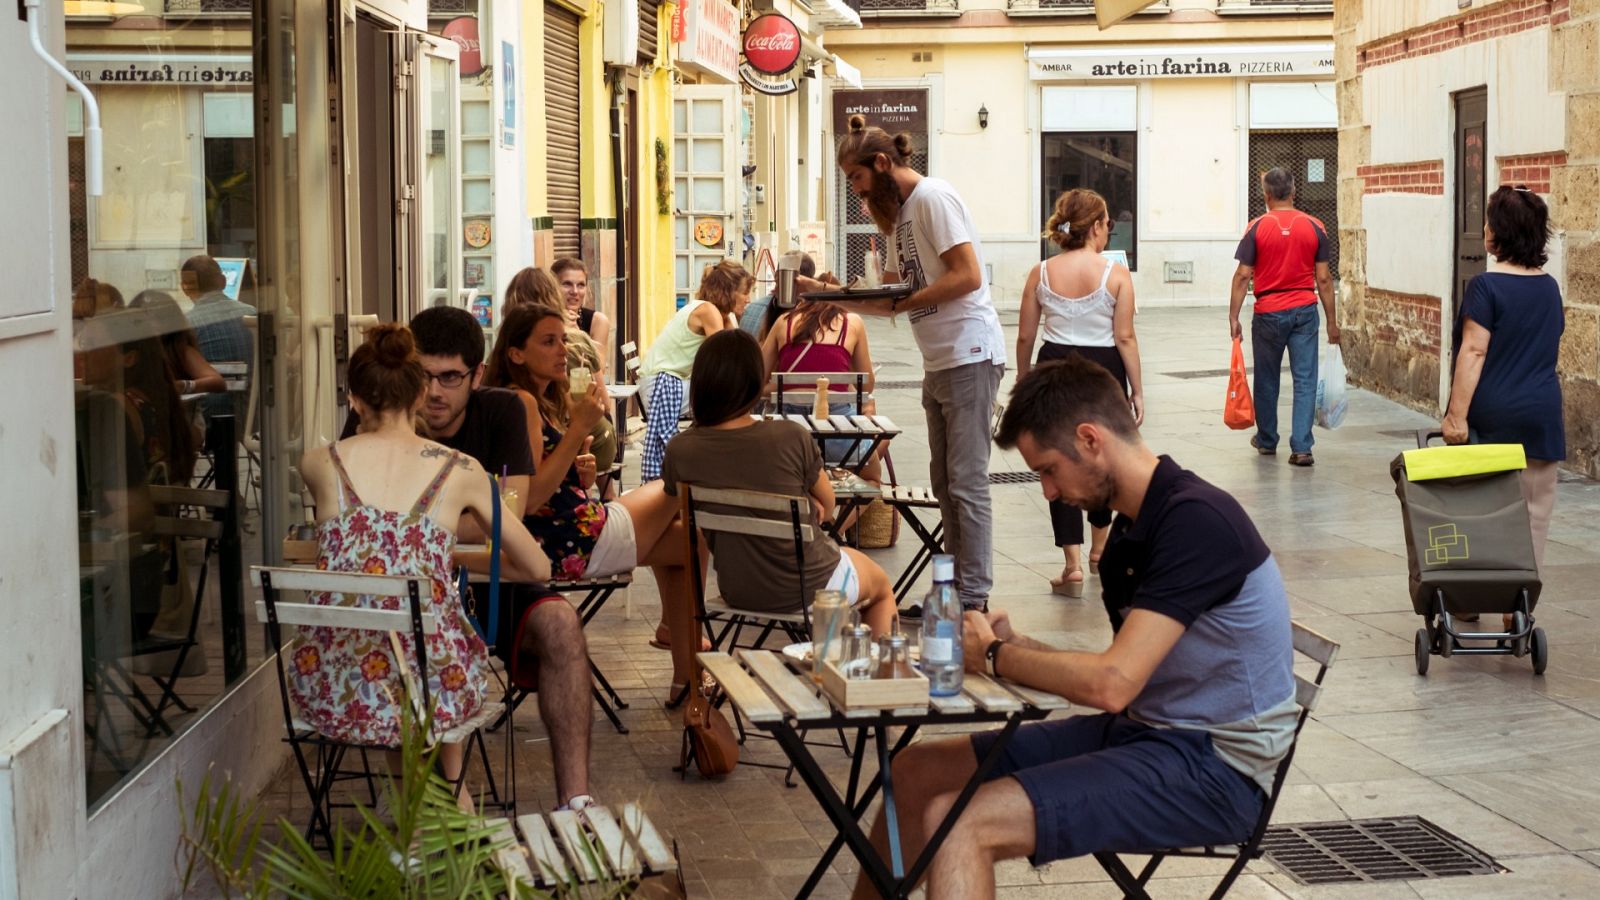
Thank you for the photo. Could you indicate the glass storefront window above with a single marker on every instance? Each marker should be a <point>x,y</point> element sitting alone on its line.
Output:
<point>1104,161</point>
<point>165,312</point>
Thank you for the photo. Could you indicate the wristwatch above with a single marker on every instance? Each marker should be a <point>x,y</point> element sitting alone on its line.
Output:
<point>992,655</point>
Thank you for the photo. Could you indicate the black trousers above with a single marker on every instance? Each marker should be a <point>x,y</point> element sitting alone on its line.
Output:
<point>1066,520</point>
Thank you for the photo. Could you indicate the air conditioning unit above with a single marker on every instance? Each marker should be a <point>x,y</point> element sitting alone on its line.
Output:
<point>622,33</point>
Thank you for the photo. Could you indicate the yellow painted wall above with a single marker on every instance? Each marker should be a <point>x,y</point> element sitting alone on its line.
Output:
<point>1189,158</point>
<point>656,298</point>
<point>533,142</point>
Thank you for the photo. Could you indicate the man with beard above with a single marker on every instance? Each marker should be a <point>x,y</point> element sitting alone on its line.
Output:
<point>1197,685</point>
<point>489,425</point>
<point>934,246</point>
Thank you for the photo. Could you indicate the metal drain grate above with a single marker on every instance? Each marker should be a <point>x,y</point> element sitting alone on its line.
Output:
<point>1013,477</point>
<point>1204,373</point>
<point>1403,848</point>
<point>896,385</point>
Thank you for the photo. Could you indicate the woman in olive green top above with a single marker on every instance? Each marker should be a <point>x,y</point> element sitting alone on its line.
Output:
<point>727,448</point>
<point>664,371</point>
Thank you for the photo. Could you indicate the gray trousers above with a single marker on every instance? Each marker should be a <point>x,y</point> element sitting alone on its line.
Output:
<point>959,404</point>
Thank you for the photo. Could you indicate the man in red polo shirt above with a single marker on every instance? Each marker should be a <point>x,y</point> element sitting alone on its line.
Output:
<point>1286,252</point>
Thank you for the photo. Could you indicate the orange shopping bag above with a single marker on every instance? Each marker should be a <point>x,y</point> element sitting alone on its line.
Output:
<point>1238,411</point>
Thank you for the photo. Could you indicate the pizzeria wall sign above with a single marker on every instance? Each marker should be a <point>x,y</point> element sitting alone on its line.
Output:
<point>771,50</point>
<point>708,231</point>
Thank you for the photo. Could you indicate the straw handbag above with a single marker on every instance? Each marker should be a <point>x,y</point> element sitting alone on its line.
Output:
<point>878,523</point>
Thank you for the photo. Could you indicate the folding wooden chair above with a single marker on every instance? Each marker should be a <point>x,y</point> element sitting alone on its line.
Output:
<point>189,513</point>
<point>737,512</point>
<point>318,756</point>
<point>1320,650</point>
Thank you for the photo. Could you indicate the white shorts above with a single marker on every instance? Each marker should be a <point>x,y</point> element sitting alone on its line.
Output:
<point>844,579</point>
<point>617,549</point>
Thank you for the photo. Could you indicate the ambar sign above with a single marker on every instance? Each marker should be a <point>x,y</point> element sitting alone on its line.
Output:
<point>772,44</point>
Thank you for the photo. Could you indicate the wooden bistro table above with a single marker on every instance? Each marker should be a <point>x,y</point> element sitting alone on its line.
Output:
<point>870,432</point>
<point>779,697</point>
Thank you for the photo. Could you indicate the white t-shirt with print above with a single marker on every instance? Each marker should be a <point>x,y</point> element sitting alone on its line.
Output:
<point>956,332</point>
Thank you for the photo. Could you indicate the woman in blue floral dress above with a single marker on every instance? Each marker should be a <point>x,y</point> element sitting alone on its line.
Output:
<point>583,537</point>
<point>388,502</point>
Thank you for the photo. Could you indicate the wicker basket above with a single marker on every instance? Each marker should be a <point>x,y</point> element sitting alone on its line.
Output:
<point>878,526</point>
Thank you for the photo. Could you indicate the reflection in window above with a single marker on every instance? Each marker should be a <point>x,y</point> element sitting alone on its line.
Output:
<point>163,359</point>
<point>1104,161</point>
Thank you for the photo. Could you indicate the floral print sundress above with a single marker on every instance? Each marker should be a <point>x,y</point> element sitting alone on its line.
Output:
<point>345,683</point>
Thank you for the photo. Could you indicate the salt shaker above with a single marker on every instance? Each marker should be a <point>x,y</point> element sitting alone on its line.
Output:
<point>894,657</point>
<point>857,659</point>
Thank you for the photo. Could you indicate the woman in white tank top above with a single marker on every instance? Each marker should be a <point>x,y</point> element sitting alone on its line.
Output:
<point>1085,304</point>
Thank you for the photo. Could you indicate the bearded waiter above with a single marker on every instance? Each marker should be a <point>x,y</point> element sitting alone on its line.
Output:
<point>935,248</point>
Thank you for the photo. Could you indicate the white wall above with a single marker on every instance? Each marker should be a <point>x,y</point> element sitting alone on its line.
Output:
<point>39,636</point>
<point>1410,237</point>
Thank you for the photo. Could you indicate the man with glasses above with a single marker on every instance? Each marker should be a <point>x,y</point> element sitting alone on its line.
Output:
<point>489,425</point>
<point>1286,252</point>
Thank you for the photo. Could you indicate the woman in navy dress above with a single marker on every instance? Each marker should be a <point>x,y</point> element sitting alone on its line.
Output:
<point>1507,338</point>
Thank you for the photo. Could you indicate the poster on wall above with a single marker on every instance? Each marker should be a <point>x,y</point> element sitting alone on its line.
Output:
<point>232,275</point>
<point>508,115</point>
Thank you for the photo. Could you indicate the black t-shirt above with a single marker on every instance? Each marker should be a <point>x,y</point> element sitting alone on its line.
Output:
<point>494,431</point>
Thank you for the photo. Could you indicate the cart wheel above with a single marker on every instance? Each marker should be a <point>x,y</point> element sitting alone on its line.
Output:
<point>1541,651</point>
<point>1519,623</point>
<point>1424,649</point>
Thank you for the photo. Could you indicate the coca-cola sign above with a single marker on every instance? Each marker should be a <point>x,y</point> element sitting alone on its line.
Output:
<point>772,44</point>
<point>464,31</point>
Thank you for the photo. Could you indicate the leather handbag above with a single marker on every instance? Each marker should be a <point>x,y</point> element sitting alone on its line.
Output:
<point>715,749</point>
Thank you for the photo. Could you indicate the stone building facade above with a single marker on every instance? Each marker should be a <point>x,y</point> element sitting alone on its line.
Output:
<point>1441,102</point>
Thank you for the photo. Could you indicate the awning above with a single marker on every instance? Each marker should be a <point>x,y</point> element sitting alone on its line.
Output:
<point>845,72</point>
<point>1110,12</point>
<point>836,14</point>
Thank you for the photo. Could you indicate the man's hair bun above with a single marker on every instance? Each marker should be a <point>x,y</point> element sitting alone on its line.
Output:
<point>858,123</point>
<point>393,344</point>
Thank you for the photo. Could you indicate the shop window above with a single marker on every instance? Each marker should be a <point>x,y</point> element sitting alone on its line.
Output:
<point>1102,161</point>
<point>169,495</point>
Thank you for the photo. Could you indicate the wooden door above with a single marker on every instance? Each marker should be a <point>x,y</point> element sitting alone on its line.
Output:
<point>1471,181</point>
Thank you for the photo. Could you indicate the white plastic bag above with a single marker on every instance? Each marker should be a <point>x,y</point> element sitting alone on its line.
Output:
<point>1332,400</point>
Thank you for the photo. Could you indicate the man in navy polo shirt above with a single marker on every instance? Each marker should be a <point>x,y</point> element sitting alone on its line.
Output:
<point>1197,685</point>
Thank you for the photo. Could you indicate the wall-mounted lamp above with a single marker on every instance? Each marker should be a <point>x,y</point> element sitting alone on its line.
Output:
<point>983,116</point>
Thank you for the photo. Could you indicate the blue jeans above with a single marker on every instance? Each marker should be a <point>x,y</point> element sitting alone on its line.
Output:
<point>1270,333</point>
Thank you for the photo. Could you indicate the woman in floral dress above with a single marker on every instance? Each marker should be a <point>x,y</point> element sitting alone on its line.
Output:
<point>388,502</point>
<point>583,537</point>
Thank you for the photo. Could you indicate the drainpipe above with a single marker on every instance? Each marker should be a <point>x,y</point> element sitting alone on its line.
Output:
<point>619,324</point>
<point>91,127</point>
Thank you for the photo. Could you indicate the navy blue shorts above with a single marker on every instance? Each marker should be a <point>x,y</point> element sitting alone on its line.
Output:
<point>1108,783</point>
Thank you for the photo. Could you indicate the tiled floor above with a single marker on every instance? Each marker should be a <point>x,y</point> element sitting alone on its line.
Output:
<point>1482,747</point>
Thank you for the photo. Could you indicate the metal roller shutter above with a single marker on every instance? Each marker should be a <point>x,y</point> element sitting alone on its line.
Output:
<point>561,124</point>
<point>648,18</point>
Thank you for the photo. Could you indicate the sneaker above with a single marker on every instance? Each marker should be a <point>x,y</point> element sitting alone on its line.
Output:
<point>1301,459</point>
<point>1264,451</point>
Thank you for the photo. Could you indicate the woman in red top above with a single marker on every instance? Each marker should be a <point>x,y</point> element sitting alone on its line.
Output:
<point>821,337</point>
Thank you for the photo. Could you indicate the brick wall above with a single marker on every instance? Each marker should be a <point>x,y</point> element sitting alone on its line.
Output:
<point>1499,19</point>
<point>1408,322</point>
<point>1425,177</point>
<point>1531,169</point>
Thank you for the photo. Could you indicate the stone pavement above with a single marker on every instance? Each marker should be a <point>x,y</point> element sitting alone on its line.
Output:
<point>1481,747</point>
